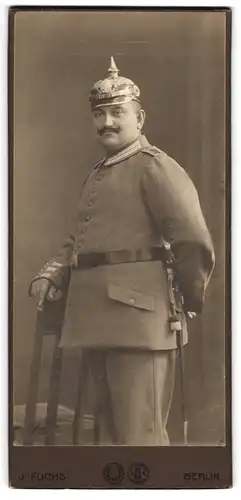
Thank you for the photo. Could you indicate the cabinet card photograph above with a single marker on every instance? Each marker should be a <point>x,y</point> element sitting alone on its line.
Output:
<point>119,162</point>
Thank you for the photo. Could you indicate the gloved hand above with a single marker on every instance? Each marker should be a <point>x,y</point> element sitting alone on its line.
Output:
<point>44,290</point>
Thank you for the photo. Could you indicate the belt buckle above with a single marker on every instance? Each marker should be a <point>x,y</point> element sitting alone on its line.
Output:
<point>120,256</point>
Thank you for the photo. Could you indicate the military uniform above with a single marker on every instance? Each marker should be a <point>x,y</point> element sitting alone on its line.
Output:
<point>131,202</point>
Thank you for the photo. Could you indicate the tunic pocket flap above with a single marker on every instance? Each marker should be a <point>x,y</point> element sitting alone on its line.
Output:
<point>131,297</point>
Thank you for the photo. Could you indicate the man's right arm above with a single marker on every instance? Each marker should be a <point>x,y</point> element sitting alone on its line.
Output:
<point>54,276</point>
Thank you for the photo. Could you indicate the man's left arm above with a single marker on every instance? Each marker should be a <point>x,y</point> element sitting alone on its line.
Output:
<point>173,202</point>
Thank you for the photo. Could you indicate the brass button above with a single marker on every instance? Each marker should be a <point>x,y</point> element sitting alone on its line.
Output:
<point>131,301</point>
<point>87,218</point>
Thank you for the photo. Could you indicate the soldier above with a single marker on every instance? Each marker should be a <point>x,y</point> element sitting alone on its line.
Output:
<point>133,201</point>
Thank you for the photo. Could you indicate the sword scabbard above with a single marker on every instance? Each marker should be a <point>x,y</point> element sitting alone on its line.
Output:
<point>175,325</point>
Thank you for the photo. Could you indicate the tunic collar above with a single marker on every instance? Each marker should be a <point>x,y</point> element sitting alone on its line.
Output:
<point>127,152</point>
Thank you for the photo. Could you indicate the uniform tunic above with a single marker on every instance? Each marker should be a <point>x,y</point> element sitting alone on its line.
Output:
<point>134,201</point>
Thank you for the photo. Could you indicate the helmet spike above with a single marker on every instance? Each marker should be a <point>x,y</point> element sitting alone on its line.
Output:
<point>113,70</point>
<point>115,87</point>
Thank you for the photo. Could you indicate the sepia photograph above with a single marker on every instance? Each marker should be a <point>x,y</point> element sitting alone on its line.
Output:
<point>119,175</point>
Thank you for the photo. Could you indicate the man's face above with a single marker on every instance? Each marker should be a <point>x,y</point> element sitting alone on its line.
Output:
<point>117,125</point>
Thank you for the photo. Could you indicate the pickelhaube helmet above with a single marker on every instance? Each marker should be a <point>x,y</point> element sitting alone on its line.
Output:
<point>114,89</point>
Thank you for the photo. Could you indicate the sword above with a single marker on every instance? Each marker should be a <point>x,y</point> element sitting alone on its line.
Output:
<point>176,327</point>
<point>179,337</point>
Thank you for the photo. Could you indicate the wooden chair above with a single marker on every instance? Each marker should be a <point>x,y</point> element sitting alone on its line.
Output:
<point>48,322</point>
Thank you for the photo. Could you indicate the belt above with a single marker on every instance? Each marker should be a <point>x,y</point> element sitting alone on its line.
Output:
<point>94,259</point>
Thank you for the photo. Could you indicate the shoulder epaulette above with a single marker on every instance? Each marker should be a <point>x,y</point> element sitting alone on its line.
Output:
<point>152,151</point>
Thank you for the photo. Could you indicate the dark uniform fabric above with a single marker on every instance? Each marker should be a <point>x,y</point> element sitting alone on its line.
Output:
<point>135,200</point>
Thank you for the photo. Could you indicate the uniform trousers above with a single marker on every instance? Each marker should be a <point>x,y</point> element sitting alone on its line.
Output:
<point>132,395</point>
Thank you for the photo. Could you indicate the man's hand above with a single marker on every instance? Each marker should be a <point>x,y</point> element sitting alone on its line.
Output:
<point>191,314</point>
<point>43,289</point>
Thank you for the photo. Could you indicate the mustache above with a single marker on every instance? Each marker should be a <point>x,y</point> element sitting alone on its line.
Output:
<point>108,129</point>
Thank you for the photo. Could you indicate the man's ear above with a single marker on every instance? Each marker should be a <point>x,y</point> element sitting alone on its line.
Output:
<point>141,118</point>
